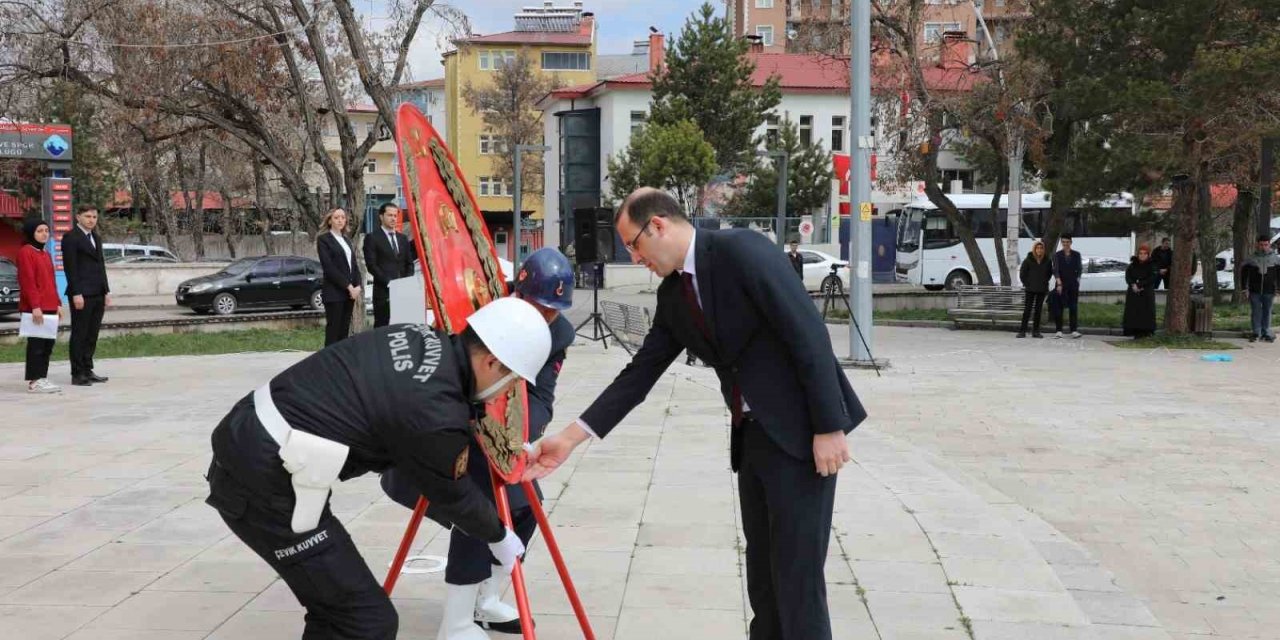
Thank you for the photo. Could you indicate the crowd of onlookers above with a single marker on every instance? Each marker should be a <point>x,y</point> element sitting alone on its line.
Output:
<point>1147,272</point>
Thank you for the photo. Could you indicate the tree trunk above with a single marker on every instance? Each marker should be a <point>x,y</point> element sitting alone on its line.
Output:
<point>1178,299</point>
<point>1208,251</point>
<point>997,239</point>
<point>963,229</point>
<point>197,226</point>
<point>230,226</point>
<point>264,215</point>
<point>1241,231</point>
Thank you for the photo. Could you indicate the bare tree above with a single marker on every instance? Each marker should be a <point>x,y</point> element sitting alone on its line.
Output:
<point>505,106</point>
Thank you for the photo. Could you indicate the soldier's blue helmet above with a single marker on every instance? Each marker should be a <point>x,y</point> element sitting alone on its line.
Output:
<point>547,279</point>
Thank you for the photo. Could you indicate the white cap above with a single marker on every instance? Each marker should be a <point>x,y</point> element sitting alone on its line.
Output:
<point>515,333</point>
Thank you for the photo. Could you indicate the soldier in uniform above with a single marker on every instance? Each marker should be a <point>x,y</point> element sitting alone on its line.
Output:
<point>402,395</point>
<point>474,600</point>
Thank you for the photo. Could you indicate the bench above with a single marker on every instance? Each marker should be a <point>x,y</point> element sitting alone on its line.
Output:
<point>985,305</point>
<point>628,322</point>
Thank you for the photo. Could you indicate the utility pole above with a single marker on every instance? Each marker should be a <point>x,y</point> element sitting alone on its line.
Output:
<point>860,301</point>
<point>1015,144</point>
<point>517,201</point>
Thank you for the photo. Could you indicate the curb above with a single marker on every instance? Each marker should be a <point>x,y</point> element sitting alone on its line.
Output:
<point>1088,331</point>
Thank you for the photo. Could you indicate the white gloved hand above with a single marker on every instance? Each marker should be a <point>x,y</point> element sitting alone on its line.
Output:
<point>507,551</point>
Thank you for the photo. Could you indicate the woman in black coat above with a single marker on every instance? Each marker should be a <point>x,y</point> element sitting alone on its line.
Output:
<point>1035,272</point>
<point>1140,298</point>
<point>342,277</point>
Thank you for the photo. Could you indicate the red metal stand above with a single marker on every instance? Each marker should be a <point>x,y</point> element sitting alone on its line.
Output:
<point>517,574</point>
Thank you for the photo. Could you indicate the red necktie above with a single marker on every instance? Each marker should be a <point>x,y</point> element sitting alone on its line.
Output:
<point>691,296</point>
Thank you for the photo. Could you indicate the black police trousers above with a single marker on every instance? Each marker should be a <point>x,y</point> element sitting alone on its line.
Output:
<point>321,566</point>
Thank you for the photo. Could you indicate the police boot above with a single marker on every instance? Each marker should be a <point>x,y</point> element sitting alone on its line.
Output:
<point>459,608</point>
<point>494,614</point>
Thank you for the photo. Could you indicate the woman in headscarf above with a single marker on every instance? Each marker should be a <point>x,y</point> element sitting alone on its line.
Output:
<point>1140,298</point>
<point>38,297</point>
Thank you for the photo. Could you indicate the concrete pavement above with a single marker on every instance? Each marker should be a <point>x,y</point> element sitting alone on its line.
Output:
<point>1002,489</point>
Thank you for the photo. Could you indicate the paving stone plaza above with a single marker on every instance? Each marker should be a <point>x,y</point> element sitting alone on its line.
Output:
<point>1001,489</point>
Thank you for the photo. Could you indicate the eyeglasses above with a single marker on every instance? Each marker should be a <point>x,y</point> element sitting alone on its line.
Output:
<point>631,246</point>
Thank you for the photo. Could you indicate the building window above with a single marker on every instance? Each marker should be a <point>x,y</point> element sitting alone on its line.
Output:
<point>766,35</point>
<point>566,61</point>
<point>933,30</point>
<point>965,176</point>
<point>371,166</point>
<point>771,130</point>
<point>490,186</point>
<point>490,144</point>
<point>764,4</point>
<point>492,59</point>
<point>837,133</point>
<point>638,119</point>
<point>806,130</point>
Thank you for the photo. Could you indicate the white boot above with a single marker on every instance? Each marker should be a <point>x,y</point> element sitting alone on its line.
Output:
<point>459,607</point>
<point>491,612</point>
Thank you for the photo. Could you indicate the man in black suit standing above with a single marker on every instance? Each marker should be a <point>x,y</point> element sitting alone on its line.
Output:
<point>88,291</point>
<point>388,256</point>
<point>797,260</point>
<point>730,298</point>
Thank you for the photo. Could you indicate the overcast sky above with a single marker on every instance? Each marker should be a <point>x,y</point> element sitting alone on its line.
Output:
<point>619,22</point>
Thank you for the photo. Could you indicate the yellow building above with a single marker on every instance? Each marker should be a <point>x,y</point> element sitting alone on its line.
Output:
<point>561,42</point>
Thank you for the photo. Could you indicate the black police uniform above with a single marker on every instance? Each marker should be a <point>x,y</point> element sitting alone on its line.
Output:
<point>398,395</point>
<point>470,561</point>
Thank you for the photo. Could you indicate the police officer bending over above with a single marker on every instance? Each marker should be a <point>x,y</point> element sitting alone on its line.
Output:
<point>401,395</point>
<point>474,596</point>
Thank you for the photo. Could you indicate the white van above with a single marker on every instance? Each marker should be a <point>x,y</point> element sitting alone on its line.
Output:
<point>116,252</point>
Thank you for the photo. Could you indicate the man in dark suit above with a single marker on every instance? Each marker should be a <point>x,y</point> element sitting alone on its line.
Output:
<point>797,260</point>
<point>88,291</point>
<point>388,256</point>
<point>730,298</point>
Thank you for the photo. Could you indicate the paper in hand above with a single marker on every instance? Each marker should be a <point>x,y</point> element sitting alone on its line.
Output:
<point>27,327</point>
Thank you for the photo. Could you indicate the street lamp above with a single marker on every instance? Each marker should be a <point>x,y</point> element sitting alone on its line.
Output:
<point>517,202</point>
<point>780,225</point>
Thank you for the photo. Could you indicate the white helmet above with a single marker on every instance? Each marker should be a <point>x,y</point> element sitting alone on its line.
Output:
<point>515,333</point>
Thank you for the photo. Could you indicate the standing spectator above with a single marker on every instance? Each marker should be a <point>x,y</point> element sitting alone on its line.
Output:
<point>88,291</point>
<point>1034,274</point>
<point>39,297</point>
<point>797,261</point>
<point>388,256</point>
<point>1068,266</point>
<point>342,277</point>
<point>1162,257</point>
<point>1260,273</point>
<point>1140,299</point>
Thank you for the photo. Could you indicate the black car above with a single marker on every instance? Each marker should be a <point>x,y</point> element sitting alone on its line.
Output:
<point>268,281</point>
<point>8,287</point>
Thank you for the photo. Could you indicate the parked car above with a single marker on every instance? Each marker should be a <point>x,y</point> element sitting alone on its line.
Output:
<point>8,287</point>
<point>267,281</point>
<point>507,273</point>
<point>115,252</point>
<point>817,265</point>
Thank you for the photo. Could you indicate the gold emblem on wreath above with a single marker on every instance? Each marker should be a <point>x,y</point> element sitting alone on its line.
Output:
<point>477,291</point>
<point>447,222</point>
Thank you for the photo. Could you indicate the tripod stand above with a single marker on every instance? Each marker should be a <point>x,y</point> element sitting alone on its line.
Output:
<point>832,290</point>
<point>600,329</point>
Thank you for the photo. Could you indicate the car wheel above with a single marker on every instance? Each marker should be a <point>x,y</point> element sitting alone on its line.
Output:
<point>225,304</point>
<point>957,278</point>
<point>317,301</point>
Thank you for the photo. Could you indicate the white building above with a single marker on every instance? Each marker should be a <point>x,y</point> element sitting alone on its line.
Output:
<point>602,117</point>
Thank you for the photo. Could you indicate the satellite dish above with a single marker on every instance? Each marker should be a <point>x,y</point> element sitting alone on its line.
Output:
<point>791,34</point>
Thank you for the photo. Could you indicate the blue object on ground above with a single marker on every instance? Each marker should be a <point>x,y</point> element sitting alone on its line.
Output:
<point>1217,357</point>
